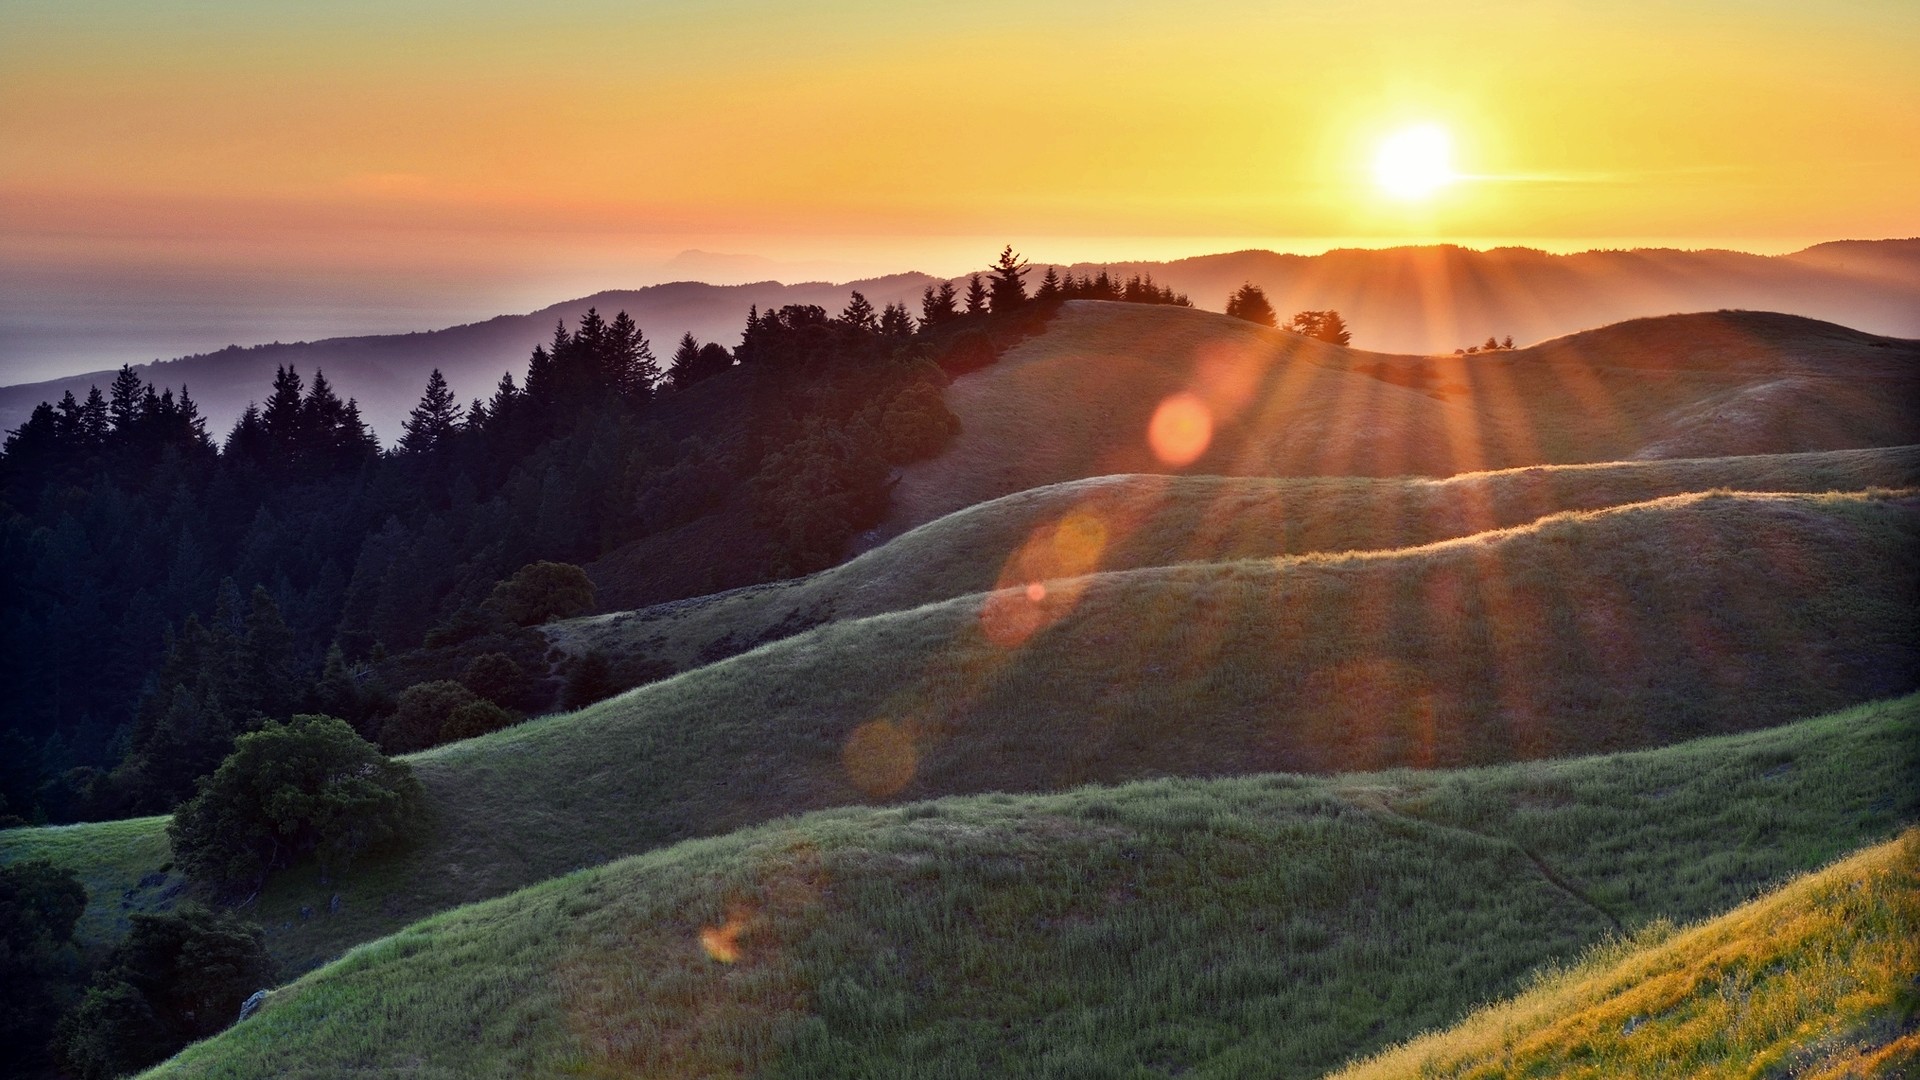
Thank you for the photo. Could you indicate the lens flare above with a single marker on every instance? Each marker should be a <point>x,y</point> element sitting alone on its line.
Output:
<point>722,943</point>
<point>1039,584</point>
<point>879,758</point>
<point>1180,429</point>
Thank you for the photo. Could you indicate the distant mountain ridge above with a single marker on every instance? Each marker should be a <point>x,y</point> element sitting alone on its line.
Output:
<point>1409,299</point>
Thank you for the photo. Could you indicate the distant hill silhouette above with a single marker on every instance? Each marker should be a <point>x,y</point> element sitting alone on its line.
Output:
<point>1412,299</point>
<point>386,372</point>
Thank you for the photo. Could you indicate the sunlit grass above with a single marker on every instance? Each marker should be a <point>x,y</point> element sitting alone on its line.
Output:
<point>1149,521</point>
<point>1080,400</point>
<point>1254,926</point>
<point>1815,980</point>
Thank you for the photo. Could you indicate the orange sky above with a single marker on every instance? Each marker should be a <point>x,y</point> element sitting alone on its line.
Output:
<point>584,141</point>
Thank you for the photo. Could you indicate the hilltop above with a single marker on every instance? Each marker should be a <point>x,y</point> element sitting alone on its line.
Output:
<point>1078,401</point>
<point>1272,925</point>
<point>1815,979</point>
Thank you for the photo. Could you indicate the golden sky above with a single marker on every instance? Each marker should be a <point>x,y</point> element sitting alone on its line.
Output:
<point>449,135</point>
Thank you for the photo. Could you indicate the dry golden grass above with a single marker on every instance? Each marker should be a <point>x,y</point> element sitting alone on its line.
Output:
<point>1814,981</point>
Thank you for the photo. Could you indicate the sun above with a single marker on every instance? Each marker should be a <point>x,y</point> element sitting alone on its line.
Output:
<point>1414,162</point>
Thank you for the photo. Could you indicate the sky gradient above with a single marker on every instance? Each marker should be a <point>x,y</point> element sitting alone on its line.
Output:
<point>429,161</point>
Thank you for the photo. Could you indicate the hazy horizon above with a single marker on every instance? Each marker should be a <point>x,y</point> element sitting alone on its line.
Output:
<point>61,320</point>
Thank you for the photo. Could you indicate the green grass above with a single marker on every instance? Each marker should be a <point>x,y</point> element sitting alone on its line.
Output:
<point>1076,401</point>
<point>1162,520</point>
<point>125,866</point>
<point>1622,628</point>
<point>1815,981</point>
<point>1273,925</point>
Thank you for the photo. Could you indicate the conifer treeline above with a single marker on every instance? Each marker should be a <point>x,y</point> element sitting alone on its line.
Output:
<point>161,594</point>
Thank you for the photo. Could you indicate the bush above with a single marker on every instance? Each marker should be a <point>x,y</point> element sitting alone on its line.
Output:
<point>176,978</point>
<point>968,350</point>
<point>589,679</point>
<point>422,715</point>
<point>308,786</point>
<point>497,678</point>
<point>474,718</point>
<point>541,591</point>
<point>39,906</point>
<point>917,424</point>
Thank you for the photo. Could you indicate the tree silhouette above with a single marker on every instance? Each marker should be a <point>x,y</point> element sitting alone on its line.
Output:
<point>1249,302</point>
<point>1009,287</point>
<point>431,424</point>
<point>1325,326</point>
<point>976,296</point>
<point>938,305</point>
<point>859,313</point>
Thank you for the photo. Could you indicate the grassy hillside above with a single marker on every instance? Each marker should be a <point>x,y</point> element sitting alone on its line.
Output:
<point>1077,401</point>
<point>1143,521</point>
<point>1814,981</point>
<point>1630,627</point>
<point>1256,926</point>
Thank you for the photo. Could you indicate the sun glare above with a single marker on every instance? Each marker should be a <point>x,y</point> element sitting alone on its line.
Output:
<point>1414,162</point>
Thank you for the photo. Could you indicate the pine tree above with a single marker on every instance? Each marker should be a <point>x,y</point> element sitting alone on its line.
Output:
<point>938,305</point>
<point>123,401</point>
<point>1009,286</point>
<point>895,324</point>
<point>1249,302</point>
<point>95,419</point>
<point>432,423</point>
<point>630,364</point>
<point>267,656</point>
<point>680,372</point>
<point>859,314</point>
<point>356,440</point>
<point>282,415</point>
<point>976,295</point>
<point>1049,286</point>
<point>67,422</point>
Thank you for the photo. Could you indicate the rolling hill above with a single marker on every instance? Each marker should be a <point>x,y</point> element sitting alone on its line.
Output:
<point>1635,626</point>
<point>1142,521</point>
<point>1421,299</point>
<point>1269,925</point>
<point>1079,401</point>
<point>1813,981</point>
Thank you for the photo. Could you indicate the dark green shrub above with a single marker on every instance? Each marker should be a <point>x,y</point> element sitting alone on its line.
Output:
<point>474,718</point>
<point>422,713</point>
<point>541,591</point>
<point>968,350</point>
<point>497,678</point>
<point>589,679</point>
<point>917,424</point>
<point>309,786</point>
<point>176,978</point>
<point>39,906</point>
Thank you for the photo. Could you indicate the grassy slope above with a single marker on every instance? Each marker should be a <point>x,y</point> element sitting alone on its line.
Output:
<point>1076,401</point>
<point>1160,520</point>
<point>1814,981</point>
<point>1254,926</point>
<point>1631,627</point>
<point>126,866</point>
